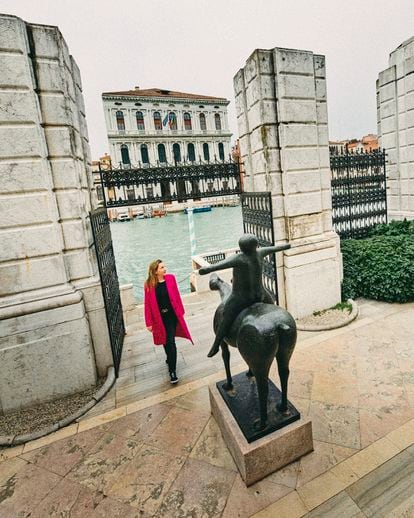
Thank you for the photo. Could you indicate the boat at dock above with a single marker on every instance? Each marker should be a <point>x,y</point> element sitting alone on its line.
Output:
<point>204,208</point>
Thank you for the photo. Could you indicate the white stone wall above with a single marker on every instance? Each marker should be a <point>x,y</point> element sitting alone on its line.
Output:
<point>283,129</point>
<point>52,331</point>
<point>395,109</point>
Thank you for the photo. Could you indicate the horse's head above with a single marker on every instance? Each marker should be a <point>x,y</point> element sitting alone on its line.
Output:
<point>214,282</point>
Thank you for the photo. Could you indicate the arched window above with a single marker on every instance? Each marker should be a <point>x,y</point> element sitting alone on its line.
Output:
<point>221,151</point>
<point>157,121</point>
<point>187,121</point>
<point>203,125</point>
<point>172,121</point>
<point>217,121</point>
<point>120,121</point>
<point>140,121</point>
<point>125,154</point>
<point>206,152</point>
<point>162,157</point>
<point>144,154</point>
<point>177,152</point>
<point>191,152</point>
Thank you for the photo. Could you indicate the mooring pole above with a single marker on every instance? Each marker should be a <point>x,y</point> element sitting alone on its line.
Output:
<point>191,229</point>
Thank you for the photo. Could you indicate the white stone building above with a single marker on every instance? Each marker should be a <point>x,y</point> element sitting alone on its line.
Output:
<point>155,126</point>
<point>395,108</point>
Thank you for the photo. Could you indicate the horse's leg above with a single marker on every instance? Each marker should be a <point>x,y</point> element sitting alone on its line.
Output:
<point>283,357</point>
<point>283,369</point>
<point>225,353</point>
<point>263,390</point>
<point>287,341</point>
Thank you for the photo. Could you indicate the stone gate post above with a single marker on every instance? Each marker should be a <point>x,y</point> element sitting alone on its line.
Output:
<point>395,109</point>
<point>53,332</point>
<point>283,129</point>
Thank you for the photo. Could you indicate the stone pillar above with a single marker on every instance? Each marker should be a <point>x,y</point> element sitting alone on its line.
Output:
<point>283,128</point>
<point>53,333</point>
<point>395,109</point>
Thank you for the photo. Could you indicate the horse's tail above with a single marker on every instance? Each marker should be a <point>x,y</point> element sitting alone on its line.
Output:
<point>257,346</point>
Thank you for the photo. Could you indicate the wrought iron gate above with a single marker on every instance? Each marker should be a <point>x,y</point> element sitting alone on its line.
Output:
<point>359,192</point>
<point>109,282</point>
<point>258,220</point>
<point>130,185</point>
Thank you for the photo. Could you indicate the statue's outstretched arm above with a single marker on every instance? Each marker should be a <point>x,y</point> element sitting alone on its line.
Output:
<point>266,250</point>
<point>229,262</point>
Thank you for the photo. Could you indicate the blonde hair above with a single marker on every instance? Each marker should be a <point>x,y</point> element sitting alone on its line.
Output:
<point>152,279</point>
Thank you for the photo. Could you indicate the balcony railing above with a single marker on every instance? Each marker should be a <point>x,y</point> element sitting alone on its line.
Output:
<point>166,132</point>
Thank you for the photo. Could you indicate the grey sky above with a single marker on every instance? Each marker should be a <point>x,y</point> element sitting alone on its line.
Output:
<point>197,46</point>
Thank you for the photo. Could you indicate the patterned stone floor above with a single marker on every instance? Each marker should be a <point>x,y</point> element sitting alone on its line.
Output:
<point>156,451</point>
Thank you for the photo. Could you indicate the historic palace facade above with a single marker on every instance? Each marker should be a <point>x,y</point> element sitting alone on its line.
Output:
<point>155,127</point>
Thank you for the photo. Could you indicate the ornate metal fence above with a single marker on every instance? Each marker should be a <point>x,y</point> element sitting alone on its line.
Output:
<point>109,281</point>
<point>128,185</point>
<point>215,258</point>
<point>258,219</point>
<point>359,197</point>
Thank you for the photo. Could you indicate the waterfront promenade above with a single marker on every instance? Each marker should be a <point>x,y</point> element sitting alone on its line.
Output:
<point>149,449</point>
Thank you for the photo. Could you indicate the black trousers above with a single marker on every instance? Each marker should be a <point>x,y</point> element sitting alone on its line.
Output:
<point>170,323</point>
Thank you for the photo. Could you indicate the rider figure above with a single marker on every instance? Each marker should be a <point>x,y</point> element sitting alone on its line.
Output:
<point>247,287</point>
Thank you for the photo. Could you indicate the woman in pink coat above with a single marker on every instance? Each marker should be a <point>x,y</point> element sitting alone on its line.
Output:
<point>164,312</point>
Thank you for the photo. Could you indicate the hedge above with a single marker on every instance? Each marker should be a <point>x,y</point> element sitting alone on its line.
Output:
<point>380,267</point>
<point>394,228</point>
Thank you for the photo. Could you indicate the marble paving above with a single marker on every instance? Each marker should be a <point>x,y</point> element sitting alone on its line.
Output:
<point>154,450</point>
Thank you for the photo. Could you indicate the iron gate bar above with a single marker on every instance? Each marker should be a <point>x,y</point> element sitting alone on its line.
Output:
<point>359,192</point>
<point>109,282</point>
<point>257,216</point>
<point>204,180</point>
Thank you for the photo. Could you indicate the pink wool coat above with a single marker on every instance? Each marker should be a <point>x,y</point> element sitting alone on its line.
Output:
<point>153,315</point>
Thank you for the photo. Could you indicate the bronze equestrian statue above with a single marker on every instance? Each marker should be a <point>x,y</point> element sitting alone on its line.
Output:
<point>248,319</point>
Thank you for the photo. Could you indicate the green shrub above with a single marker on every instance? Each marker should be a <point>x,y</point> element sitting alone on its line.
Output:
<point>394,228</point>
<point>380,267</point>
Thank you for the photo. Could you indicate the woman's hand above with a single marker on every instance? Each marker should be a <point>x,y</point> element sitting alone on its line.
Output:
<point>149,329</point>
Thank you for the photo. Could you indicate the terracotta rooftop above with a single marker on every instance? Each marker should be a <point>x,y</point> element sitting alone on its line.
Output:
<point>158,92</point>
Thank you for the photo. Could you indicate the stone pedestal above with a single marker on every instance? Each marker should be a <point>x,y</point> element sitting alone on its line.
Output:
<point>283,127</point>
<point>266,455</point>
<point>395,103</point>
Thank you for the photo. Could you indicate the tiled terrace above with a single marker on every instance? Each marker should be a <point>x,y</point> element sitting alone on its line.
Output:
<point>150,449</point>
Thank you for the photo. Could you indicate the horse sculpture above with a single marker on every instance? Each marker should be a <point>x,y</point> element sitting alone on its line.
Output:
<point>261,332</point>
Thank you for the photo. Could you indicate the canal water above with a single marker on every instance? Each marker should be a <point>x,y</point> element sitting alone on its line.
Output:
<point>138,242</point>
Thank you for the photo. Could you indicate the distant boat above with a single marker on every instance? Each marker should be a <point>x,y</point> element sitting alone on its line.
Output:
<point>123,217</point>
<point>159,213</point>
<point>204,208</point>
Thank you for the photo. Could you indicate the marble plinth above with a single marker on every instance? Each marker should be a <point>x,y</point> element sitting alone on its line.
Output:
<point>267,454</point>
<point>243,403</point>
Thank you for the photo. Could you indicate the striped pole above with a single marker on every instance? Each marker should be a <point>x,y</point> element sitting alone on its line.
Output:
<point>192,231</point>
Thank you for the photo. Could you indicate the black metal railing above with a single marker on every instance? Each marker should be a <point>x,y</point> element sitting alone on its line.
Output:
<point>359,192</point>
<point>129,185</point>
<point>258,220</point>
<point>215,258</point>
<point>109,282</point>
